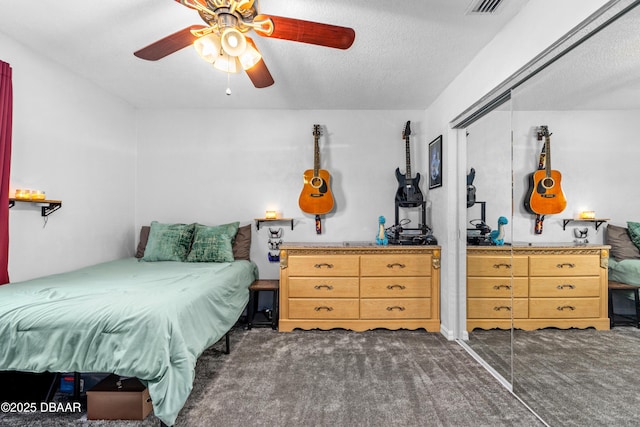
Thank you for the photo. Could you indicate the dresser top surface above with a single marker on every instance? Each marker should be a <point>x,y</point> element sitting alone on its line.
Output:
<point>353,245</point>
<point>525,246</point>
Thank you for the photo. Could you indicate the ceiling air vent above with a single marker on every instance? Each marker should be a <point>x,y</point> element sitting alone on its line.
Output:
<point>483,7</point>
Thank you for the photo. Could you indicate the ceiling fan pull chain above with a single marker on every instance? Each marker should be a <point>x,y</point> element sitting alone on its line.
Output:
<point>228,92</point>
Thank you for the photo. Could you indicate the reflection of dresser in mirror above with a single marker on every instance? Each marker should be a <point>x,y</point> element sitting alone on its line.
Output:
<point>561,286</point>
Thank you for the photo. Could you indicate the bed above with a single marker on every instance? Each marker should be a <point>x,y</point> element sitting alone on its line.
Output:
<point>146,317</point>
<point>624,259</point>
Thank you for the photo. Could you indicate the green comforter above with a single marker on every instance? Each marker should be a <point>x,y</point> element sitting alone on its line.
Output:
<point>150,320</point>
<point>625,271</point>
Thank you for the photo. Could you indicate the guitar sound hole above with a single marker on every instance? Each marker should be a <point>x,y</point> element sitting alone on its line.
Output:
<point>548,183</point>
<point>316,182</point>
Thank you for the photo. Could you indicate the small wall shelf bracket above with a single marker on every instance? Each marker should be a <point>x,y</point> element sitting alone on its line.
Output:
<point>597,221</point>
<point>47,207</point>
<point>260,220</point>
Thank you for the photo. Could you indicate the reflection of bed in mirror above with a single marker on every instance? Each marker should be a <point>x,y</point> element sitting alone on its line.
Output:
<point>590,98</point>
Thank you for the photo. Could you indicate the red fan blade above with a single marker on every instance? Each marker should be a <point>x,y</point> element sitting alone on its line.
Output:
<point>309,32</point>
<point>169,44</point>
<point>259,73</point>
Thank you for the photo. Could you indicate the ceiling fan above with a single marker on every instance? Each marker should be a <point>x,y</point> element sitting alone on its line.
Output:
<point>223,42</point>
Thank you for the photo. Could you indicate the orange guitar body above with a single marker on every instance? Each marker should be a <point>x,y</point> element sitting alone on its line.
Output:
<point>545,195</point>
<point>316,197</point>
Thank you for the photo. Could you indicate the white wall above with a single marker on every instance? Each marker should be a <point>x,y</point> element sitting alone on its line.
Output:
<point>536,27</point>
<point>77,143</point>
<point>197,166</point>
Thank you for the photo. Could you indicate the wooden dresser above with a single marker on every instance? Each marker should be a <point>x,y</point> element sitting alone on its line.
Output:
<point>359,287</point>
<point>562,286</point>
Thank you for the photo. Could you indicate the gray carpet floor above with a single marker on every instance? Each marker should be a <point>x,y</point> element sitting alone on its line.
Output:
<point>574,377</point>
<point>334,378</point>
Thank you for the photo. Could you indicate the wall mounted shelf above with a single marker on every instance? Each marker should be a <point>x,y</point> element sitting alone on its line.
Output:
<point>47,206</point>
<point>597,221</point>
<point>260,220</point>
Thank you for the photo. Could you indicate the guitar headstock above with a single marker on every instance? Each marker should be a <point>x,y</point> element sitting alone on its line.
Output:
<point>543,132</point>
<point>317,131</point>
<point>407,130</point>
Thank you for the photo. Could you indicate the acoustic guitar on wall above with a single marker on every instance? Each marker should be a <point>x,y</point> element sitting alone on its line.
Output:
<point>545,195</point>
<point>316,197</point>
<point>408,193</point>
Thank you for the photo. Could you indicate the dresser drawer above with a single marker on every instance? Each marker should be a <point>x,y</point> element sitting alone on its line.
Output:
<point>395,308</point>
<point>497,266</point>
<point>395,265</point>
<point>395,287</point>
<point>323,265</point>
<point>324,287</point>
<point>563,287</point>
<point>497,287</point>
<point>323,308</point>
<point>563,308</point>
<point>565,265</point>
<point>497,308</point>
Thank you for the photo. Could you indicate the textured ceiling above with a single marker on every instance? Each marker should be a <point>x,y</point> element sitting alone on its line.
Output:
<point>603,73</point>
<point>405,52</point>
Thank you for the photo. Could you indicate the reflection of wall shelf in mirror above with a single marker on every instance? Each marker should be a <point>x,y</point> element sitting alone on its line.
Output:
<point>259,220</point>
<point>48,206</point>
<point>598,221</point>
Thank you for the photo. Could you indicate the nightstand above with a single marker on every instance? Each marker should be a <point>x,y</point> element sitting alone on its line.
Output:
<point>252,308</point>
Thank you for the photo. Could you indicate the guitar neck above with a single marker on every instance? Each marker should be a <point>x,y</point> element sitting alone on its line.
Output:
<point>408,153</point>
<point>547,149</point>
<point>316,156</point>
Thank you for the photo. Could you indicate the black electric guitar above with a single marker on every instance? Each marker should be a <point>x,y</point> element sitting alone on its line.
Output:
<point>408,193</point>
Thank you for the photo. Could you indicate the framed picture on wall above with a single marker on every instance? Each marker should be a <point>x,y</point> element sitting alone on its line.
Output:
<point>435,163</point>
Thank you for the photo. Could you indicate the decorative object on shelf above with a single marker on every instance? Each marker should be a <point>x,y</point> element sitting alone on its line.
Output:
<point>382,236</point>
<point>222,41</point>
<point>274,242</point>
<point>497,236</point>
<point>435,163</point>
<point>408,193</point>
<point>271,215</point>
<point>587,215</point>
<point>23,194</point>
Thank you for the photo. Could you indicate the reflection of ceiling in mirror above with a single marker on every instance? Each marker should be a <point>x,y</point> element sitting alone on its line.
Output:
<point>601,74</point>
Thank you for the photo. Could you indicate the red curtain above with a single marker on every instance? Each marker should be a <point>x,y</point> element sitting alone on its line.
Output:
<point>6,116</point>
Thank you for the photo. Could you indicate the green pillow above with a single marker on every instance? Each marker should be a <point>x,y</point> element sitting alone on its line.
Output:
<point>634,232</point>
<point>213,244</point>
<point>168,242</point>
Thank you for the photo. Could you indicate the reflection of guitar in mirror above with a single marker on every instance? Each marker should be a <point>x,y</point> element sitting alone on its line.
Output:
<point>545,195</point>
<point>316,197</point>
<point>408,193</point>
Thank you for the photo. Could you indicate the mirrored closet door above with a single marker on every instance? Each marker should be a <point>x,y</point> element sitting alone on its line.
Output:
<point>589,99</point>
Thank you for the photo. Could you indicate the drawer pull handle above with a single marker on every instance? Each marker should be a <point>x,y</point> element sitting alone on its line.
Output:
<point>396,307</point>
<point>324,264</point>
<point>502,265</point>
<point>324,307</point>
<point>502,307</point>
<point>327,287</point>
<point>566,307</point>
<point>566,264</point>
<point>396,264</point>
<point>498,287</point>
<point>566,285</point>
<point>396,287</point>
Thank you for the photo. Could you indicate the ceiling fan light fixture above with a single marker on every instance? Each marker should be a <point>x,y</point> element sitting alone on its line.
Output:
<point>233,42</point>
<point>250,57</point>
<point>208,47</point>
<point>227,63</point>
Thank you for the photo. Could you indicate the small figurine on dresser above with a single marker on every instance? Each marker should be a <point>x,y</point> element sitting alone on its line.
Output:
<point>382,235</point>
<point>497,236</point>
